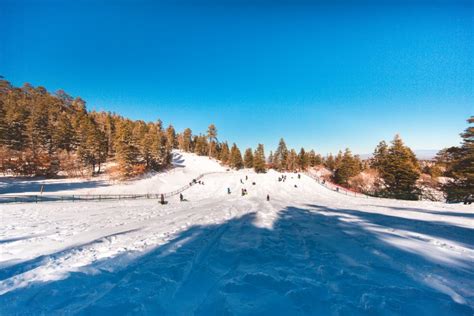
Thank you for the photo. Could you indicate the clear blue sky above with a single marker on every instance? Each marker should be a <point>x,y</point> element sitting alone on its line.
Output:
<point>323,74</point>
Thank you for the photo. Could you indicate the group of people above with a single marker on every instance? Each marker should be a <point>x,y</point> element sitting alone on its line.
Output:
<point>282,178</point>
<point>196,182</point>
<point>243,190</point>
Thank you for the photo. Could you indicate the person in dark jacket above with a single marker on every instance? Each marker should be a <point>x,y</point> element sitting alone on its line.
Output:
<point>268,197</point>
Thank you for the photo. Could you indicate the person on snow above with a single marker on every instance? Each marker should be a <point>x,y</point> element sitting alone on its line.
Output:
<point>241,181</point>
<point>162,199</point>
<point>181,197</point>
<point>268,197</point>
<point>228,190</point>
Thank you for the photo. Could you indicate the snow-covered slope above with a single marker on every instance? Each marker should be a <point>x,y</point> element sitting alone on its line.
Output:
<point>185,168</point>
<point>308,250</point>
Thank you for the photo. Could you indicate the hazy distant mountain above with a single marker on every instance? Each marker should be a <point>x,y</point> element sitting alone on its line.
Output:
<point>423,154</point>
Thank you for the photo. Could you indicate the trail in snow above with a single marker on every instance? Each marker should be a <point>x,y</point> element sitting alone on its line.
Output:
<point>307,251</point>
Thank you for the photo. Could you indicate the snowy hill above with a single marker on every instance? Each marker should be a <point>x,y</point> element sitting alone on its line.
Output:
<point>185,168</point>
<point>308,250</point>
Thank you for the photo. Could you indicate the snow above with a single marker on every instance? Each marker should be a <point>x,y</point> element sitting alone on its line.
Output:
<point>171,180</point>
<point>309,250</point>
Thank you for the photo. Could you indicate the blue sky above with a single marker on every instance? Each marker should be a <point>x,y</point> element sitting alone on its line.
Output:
<point>322,74</point>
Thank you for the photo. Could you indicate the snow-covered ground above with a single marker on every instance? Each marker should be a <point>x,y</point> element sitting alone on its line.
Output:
<point>308,250</point>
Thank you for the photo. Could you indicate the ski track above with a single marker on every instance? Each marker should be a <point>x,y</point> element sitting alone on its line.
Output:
<point>307,251</point>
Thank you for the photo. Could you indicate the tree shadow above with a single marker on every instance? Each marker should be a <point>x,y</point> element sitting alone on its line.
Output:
<point>9,269</point>
<point>461,235</point>
<point>421,210</point>
<point>306,263</point>
<point>22,185</point>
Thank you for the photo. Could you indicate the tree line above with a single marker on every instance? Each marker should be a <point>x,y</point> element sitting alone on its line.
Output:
<point>43,134</point>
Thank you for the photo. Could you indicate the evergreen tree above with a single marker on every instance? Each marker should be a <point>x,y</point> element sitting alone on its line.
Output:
<point>170,137</point>
<point>92,148</point>
<point>259,159</point>
<point>302,159</point>
<point>330,163</point>
<point>270,159</point>
<point>312,158</point>
<point>235,157</point>
<point>280,156</point>
<point>380,155</point>
<point>224,154</point>
<point>399,171</point>
<point>212,137</point>
<point>460,167</point>
<point>292,160</point>
<point>127,151</point>
<point>337,160</point>
<point>186,140</point>
<point>248,158</point>
<point>64,134</point>
<point>347,168</point>
<point>201,146</point>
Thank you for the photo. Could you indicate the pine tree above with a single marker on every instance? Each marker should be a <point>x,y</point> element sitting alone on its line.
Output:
<point>170,137</point>
<point>302,159</point>
<point>292,161</point>
<point>186,140</point>
<point>460,167</point>
<point>330,163</point>
<point>337,160</point>
<point>380,155</point>
<point>64,134</point>
<point>235,157</point>
<point>280,156</point>
<point>399,172</point>
<point>92,148</point>
<point>127,151</point>
<point>201,146</point>
<point>212,137</point>
<point>259,159</point>
<point>224,154</point>
<point>312,158</point>
<point>248,158</point>
<point>270,159</point>
<point>347,168</point>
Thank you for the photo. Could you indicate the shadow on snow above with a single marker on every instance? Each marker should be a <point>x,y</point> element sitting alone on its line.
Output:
<point>15,185</point>
<point>307,263</point>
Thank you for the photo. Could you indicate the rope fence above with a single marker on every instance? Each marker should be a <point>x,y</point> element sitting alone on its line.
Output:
<point>36,198</point>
